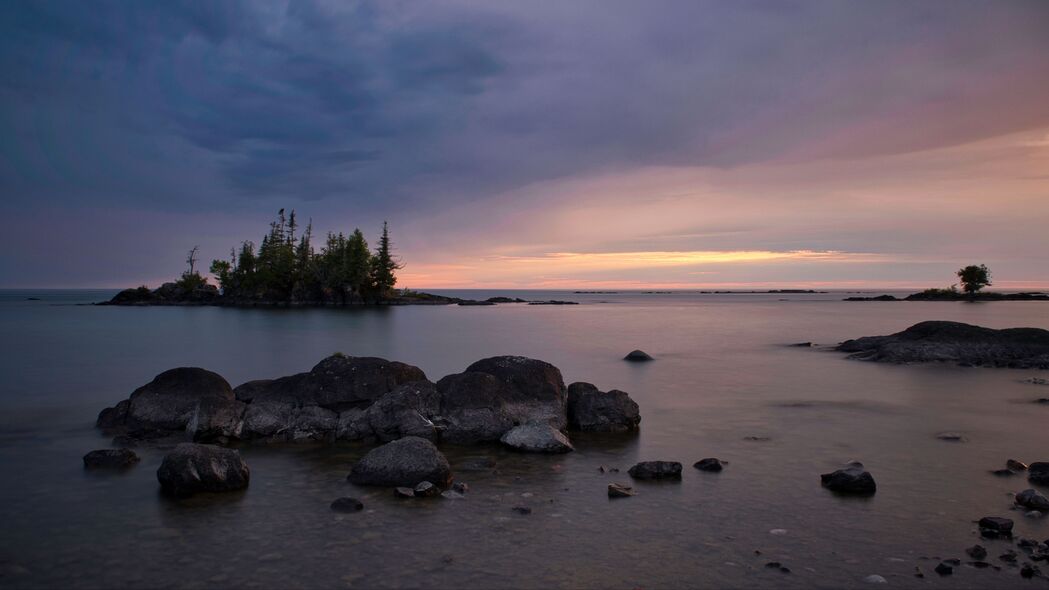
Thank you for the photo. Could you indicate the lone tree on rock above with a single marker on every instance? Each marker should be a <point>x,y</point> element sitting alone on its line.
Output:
<point>974,278</point>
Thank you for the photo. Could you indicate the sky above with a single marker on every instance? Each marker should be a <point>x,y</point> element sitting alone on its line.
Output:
<point>584,144</point>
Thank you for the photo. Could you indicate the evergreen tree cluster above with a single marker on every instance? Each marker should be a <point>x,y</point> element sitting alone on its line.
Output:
<point>286,268</point>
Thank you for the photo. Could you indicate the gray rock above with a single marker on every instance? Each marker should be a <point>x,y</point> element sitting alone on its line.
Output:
<point>167,403</point>
<point>216,420</point>
<point>535,389</point>
<point>978,552</point>
<point>1038,473</point>
<point>1033,500</point>
<point>425,489</point>
<point>193,468</point>
<point>656,470</point>
<point>285,421</point>
<point>853,479</point>
<point>992,526</point>
<point>616,490</point>
<point>596,411</point>
<point>408,410</point>
<point>404,492</point>
<point>709,464</point>
<point>403,462</point>
<point>452,495</point>
<point>536,437</point>
<point>638,356</point>
<point>347,504</point>
<point>110,459</point>
<point>938,341</point>
<point>479,407</point>
<point>1016,465</point>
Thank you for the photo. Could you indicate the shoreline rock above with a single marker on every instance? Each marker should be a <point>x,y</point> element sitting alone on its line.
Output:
<point>192,468</point>
<point>110,459</point>
<point>405,462</point>
<point>853,479</point>
<point>536,438</point>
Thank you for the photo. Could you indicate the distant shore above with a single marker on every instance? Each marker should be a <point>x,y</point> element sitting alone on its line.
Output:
<point>948,295</point>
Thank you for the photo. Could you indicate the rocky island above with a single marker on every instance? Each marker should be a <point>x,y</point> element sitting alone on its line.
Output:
<point>955,342</point>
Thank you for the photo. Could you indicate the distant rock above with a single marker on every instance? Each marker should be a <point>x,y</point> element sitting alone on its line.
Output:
<point>597,411</point>
<point>193,468</point>
<point>347,504</point>
<point>1038,473</point>
<point>469,303</point>
<point>1033,500</point>
<point>505,300</point>
<point>536,437</point>
<point>656,470</point>
<point>522,510</point>
<point>110,459</point>
<point>877,298</point>
<point>638,356</point>
<point>938,341</point>
<point>951,437</point>
<point>853,479</point>
<point>944,569</point>
<point>709,464</point>
<point>402,463</point>
<point>616,490</point>
<point>875,579</point>
<point>553,302</point>
<point>802,345</point>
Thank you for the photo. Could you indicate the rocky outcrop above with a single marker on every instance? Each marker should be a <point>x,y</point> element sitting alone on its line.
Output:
<point>536,437</point>
<point>170,402</point>
<point>955,342</point>
<point>853,479</point>
<point>167,294</point>
<point>597,411</point>
<point>535,390</point>
<point>404,462</point>
<point>193,468</point>
<point>477,407</point>
<point>110,459</point>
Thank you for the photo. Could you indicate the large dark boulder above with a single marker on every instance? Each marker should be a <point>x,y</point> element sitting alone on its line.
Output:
<point>592,410</point>
<point>938,341</point>
<point>336,383</point>
<point>193,468</point>
<point>638,356</point>
<point>656,470</point>
<point>477,407</point>
<point>170,402</point>
<point>537,437</point>
<point>853,479</point>
<point>110,459</point>
<point>408,410</point>
<point>402,463</point>
<point>284,421</point>
<point>535,389</point>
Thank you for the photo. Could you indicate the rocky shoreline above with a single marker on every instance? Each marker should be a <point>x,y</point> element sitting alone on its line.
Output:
<point>947,295</point>
<point>955,342</point>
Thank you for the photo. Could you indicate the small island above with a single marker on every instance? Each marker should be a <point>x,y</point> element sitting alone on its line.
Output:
<point>973,278</point>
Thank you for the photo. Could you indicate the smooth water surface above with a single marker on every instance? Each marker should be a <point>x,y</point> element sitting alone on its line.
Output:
<point>724,372</point>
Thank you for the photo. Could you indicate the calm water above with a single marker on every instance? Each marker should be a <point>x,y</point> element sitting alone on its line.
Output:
<point>723,373</point>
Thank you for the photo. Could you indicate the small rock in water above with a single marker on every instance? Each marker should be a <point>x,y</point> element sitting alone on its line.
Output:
<point>638,356</point>
<point>995,526</point>
<point>616,490</point>
<point>524,510</point>
<point>951,437</point>
<point>1033,500</point>
<point>604,469</point>
<point>1016,465</point>
<point>803,344</point>
<point>347,505</point>
<point>944,570</point>
<point>853,479</point>
<point>875,579</point>
<point>460,487</point>
<point>426,489</point>
<point>1038,473</point>
<point>656,470</point>
<point>110,459</point>
<point>757,438</point>
<point>976,552</point>
<point>1033,514</point>
<point>536,437</point>
<point>709,464</point>
<point>404,492</point>
<point>774,565</point>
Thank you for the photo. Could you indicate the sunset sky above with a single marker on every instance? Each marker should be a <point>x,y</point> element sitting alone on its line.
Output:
<point>533,144</point>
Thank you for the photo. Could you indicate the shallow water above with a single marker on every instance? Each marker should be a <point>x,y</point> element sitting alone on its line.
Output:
<point>723,373</point>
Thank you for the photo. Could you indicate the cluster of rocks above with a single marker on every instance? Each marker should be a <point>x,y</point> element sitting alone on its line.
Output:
<point>520,401</point>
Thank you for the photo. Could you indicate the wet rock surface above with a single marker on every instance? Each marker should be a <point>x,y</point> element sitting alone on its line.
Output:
<point>656,470</point>
<point>710,464</point>
<point>110,459</point>
<point>638,356</point>
<point>402,463</point>
<point>592,410</point>
<point>852,479</point>
<point>192,468</point>
<point>536,437</point>
<point>939,341</point>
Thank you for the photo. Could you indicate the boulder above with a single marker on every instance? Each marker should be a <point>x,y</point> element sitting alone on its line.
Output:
<point>1038,473</point>
<point>169,402</point>
<point>408,410</point>
<point>402,463</point>
<point>656,470</point>
<point>216,420</point>
<point>536,437</point>
<point>284,421</point>
<point>193,468</point>
<point>1033,500</point>
<point>709,464</point>
<point>853,479</point>
<point>938,341</point>
<point>478,407</point>
<point>336,383</point>
<point>535,389</point>
<point>638,356</point>
<point>596,411</point>
<point>110,459</point>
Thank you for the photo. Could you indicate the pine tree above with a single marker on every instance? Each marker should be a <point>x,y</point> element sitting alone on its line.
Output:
<point>384,265</point>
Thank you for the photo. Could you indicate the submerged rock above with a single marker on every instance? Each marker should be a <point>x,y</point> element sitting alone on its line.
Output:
<point>1032,499</point>
<point>938,341</point>
<point>405,462</point>
<point>993,526</point>
<point>616,490</point>
<point>537,438</point>
<point>709,464</point>
<point>425,489</point>
<point>656,470</point>
<point>853,479</point>
<point>597,411</point>
<point>193,468</point>
<point>977,552</point>
<point>347,504</point>
<point>638,356</point>
<point>1038,473</point>
<point>110,459</point>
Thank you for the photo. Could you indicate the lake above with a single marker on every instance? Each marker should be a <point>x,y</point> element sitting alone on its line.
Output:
<point>723,376</point>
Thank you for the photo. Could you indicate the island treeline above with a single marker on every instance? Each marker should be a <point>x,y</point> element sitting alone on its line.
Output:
<point>286,268</point>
